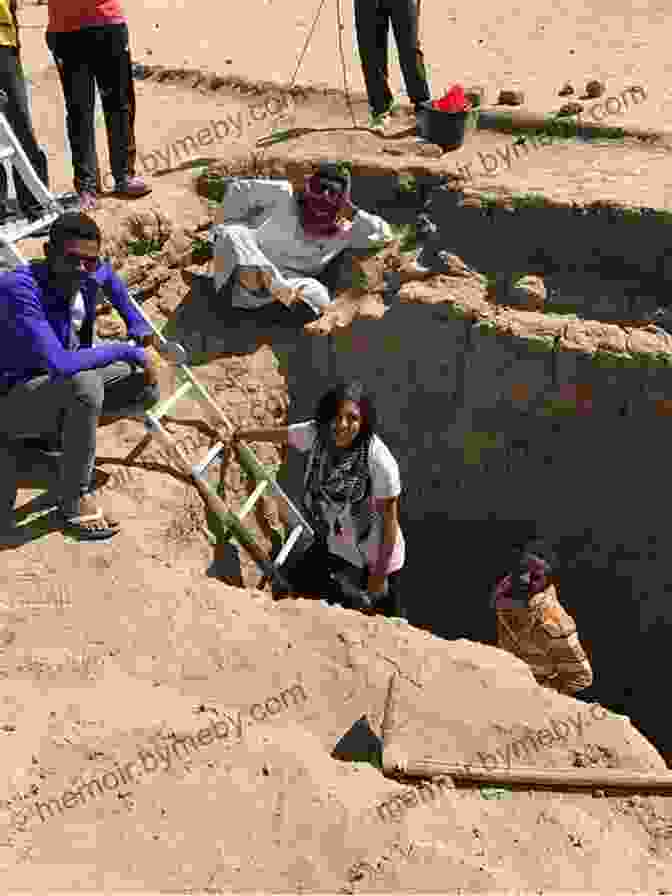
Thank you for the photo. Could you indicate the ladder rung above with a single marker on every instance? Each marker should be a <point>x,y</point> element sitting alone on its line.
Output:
<point>251,465</point>
<point>246,508</point>
<point>163,407</point>
<point>240,532</point>
<point>199,469</point>
<point>252,500</point>
<point>288,545</point>
<point>22,231</point>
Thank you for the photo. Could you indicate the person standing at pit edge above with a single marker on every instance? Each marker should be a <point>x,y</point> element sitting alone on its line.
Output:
<point>89,41</point>
<point>13,83</point>
<point>533,625</point>
<point>372,22</point>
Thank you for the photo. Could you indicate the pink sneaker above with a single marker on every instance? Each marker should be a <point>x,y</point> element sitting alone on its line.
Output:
<point>87,201</point>
<point>132,188</point>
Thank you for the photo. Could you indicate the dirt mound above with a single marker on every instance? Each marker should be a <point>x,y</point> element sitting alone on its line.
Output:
<point>159,706</point>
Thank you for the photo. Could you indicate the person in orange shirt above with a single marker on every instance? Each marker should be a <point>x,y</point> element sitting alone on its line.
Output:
<point>17,110</point>
<point>90,44</point>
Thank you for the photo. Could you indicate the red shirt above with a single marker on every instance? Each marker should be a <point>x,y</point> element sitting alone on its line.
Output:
<point>71,15</point>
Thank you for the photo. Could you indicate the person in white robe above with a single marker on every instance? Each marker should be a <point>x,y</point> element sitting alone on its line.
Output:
<point>297,235</point>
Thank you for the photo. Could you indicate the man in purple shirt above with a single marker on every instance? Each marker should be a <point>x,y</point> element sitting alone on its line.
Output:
<point>52,377</point>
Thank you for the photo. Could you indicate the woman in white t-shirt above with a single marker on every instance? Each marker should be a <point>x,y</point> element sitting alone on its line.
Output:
<point>351,496</point>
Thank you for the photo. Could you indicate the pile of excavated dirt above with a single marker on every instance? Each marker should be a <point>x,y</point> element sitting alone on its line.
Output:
<point>162,729</point>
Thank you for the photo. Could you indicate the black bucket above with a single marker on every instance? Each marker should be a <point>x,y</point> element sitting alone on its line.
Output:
<point>446,129</point>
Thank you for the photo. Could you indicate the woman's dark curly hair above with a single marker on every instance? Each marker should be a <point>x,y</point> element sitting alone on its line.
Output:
<point>327,408</point>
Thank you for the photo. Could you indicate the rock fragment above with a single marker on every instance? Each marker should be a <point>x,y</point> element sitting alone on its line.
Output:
<point>528,293</point>
<point>595,89</point>
<point>511,98</point>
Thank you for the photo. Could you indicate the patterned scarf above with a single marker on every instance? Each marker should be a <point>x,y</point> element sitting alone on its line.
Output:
<point>336,489</point>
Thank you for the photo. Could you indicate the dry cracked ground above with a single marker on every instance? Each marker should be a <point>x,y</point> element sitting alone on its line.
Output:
<point>129,651</point>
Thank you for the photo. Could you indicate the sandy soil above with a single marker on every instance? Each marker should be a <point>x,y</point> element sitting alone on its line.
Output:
<point>128,645</point>
<point>536,48</point>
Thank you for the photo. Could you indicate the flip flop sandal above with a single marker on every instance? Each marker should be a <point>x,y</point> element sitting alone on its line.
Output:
<point>75,525</point>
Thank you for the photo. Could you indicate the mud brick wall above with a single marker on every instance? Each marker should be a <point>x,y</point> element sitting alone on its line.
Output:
<point>503,421</point>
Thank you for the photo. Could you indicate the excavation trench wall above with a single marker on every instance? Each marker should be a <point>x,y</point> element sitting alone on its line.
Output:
<point>507,422</point>
<point>610,263</point>
<point>533,419</point>
<point>494,432</point>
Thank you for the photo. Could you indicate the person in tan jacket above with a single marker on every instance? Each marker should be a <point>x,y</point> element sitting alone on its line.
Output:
<point>533,625</point>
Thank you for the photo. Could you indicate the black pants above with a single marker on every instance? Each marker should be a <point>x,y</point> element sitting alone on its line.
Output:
<point>97,55</point>
<point>309,575</point>
<point>372,21</point>
<point>13,82</point>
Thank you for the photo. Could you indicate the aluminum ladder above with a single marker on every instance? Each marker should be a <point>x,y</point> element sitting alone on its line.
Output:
<point>11,153</point>
<point>265,479</point>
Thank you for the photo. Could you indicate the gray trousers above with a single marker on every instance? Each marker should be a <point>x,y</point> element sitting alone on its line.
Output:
<point>13,82</point>
<point>71,407</point>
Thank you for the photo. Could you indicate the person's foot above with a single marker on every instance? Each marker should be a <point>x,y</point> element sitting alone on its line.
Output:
<point>91,522</point>
<point>87,201</point>
<point>132,188</point>
<point>378,122</point>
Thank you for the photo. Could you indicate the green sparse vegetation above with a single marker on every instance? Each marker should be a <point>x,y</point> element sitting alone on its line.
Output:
<point>407,183</point>
<point>561,309</point>
<point>529,200</point>
<point>564,127</point>
<point>558,407</point>
<point>344,167</point>
<point>213,186</point>
<point>144,246</point>
<point>489,200</point>
<point>632,214</point>
<point>201,251</point>
<point>610,359</point>
<point>407,234</point>
<point>360,280</point>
